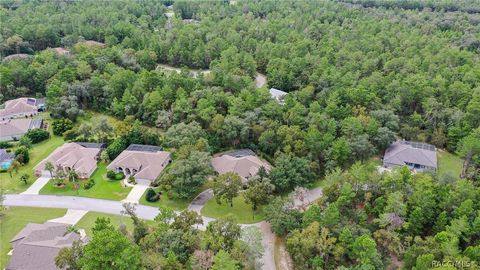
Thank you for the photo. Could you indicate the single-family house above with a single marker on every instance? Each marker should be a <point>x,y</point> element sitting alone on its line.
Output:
<point>416,155</point>
<point>61,51</point>
<point>144,162</point>
<point>278,95</point>
<point>93,43</point>
<point>13,129</point>
<point>17,56</point>
<point>243,162</point>
<point>22,107</point>
<point>36,246</point>
<point>78,156</point>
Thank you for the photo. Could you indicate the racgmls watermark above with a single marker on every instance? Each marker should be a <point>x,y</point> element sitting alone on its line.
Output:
<point>459,264</point>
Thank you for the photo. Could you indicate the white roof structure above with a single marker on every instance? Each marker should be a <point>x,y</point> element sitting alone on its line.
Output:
<point>243,162</point>
<point>277,94</point>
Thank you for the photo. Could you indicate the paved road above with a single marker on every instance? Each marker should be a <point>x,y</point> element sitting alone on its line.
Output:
<point>143,211</point>
<point>37,185</point>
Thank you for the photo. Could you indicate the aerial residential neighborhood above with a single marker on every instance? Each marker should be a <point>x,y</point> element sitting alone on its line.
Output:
<point>228,135</point>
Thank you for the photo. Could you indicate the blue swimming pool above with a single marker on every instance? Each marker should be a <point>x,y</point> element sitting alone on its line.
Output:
<point>6,164</point>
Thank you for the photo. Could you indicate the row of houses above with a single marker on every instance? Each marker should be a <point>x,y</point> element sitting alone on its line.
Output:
<point>16,117</point>
<point>144,162</point>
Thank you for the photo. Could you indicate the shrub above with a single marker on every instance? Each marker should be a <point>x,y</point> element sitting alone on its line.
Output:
<point>119,176</point>
<point>151,195</point>
<point>22,155</point>
<point>70,134</point>
<point>111,175</point>
<point>132,180</point>
<point>37,135</point>
<point>5,145</point>
<point>89,184</point>
<point>61,125</point>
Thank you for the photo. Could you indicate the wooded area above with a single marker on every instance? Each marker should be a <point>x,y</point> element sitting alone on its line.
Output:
<point>360,74</point>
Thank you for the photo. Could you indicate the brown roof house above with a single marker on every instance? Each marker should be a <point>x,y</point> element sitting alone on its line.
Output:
<point>243,162</point>
<point>21,107</point>
<point>81,157</point>
<point>144,162</point>
<point>36,246</point>
<point>13,129</point>
<point>415,155</point>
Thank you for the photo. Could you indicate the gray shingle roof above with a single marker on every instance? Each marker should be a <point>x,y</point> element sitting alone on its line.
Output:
<point>37,245</point>
<point>401,152</point>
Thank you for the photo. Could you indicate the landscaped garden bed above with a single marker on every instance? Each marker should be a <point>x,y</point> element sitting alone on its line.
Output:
<point>98,186</point>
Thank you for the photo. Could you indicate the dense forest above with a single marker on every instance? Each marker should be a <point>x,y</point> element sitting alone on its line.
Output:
<point>360,74</point>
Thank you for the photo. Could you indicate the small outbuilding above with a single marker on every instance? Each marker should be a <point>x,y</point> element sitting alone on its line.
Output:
<point>417,156</point>
<point>278,95</point>
<point>144,162</point>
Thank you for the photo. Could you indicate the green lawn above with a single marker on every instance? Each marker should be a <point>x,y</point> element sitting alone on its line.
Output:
<point>88,221</point>
<point>241,210</point>
<point>15,219</point>
<point>449,162</point>
<point>103,188</point>
<point>38,152</point>
<point>174,203</point>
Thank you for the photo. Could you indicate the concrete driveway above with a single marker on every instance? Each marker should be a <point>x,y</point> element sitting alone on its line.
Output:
<point>37,185</point>
<point>135,194</point>
<point>199,201</point>
<point>71,217</point>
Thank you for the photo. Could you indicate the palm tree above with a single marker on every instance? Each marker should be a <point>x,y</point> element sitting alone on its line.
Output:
<point>49,167</point>
<point>72,177</point>
<point>24,178</point>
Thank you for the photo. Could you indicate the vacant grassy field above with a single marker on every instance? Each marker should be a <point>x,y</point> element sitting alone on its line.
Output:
<point>175,204</point>
<point>241,210</point>
<point>449,162</point>
<point>38,152</point>
<point>103,188</point>
<point>15,219</point>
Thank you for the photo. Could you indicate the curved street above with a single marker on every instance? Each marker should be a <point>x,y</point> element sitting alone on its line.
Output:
<point>146,212</point>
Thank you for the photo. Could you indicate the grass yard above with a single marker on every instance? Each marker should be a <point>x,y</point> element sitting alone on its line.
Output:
<point>15,219</point>
<point>241,210</point>
<point>88,221</point>
<point>175,204</point>
<point>103,188</point>
<point>38,152</point>
<point>449,162</point>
